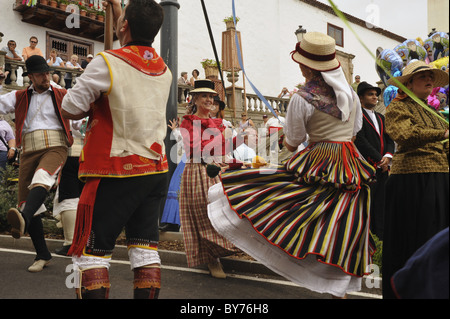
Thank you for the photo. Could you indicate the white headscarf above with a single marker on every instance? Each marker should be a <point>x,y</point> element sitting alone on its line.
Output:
<point>336,79</point>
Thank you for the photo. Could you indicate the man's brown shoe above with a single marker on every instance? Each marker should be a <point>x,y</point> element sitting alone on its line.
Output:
<point>17,222</point>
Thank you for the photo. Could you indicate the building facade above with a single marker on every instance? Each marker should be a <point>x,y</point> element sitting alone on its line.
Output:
<point>267,31</point>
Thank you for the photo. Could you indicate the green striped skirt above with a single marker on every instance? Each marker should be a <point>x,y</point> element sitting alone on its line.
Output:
<point>315,206</point>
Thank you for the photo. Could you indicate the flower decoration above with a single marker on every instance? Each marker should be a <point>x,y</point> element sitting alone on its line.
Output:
<point>209,62</point>
<point>148,55</point>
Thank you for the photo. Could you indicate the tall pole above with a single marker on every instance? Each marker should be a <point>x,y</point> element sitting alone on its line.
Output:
<point>169,53</point>
<point>109,33</point>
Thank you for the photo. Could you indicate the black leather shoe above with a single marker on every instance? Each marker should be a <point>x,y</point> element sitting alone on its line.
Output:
<point>63,250</point>
<point>169,227</point>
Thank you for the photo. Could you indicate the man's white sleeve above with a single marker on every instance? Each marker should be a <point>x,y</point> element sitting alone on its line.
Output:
<point>90,85</point>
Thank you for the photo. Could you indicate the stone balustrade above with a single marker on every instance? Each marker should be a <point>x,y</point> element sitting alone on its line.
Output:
<point>244,102</point>
<point>15,66</point>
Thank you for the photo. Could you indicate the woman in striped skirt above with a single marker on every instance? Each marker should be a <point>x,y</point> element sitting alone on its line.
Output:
<point>308,219</point>
<point>203,141</point>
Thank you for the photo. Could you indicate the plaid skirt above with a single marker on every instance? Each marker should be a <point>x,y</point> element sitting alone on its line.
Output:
<point>202,242</point>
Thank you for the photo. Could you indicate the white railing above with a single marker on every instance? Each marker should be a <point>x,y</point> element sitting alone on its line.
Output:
<point>15,66</point>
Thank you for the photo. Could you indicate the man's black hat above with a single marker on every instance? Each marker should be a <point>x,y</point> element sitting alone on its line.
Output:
<point>363,86</point>
<point>36,64</point>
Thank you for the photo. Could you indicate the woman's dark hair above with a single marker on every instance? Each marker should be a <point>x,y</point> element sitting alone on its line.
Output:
<point>196,71</point>
<point>145,18</point>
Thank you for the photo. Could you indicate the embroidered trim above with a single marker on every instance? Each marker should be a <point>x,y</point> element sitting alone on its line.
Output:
<point>144,59</point>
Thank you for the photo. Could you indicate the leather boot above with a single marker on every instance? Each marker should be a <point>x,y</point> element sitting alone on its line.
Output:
<point>94,284</point>
<point>147,282</point>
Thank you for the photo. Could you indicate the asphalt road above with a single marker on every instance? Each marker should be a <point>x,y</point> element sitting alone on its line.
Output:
<point>177,282</point>
<point>184,290</point>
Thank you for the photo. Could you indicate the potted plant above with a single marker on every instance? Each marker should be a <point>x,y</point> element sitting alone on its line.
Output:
<point>63,4</point>
<point>211,68</point>
<point>53,3</point>
<point>101,16</point>
<point>229,22</point>
<point>83,9</point>
<point>43,2</point>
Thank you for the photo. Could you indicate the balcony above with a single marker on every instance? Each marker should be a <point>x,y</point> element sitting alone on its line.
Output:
<point>55,18</point>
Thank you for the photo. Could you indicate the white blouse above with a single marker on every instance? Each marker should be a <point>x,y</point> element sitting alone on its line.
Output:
<point>298,114</point>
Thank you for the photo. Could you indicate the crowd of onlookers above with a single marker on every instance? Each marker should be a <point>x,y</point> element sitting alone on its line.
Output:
<point>13,54</point>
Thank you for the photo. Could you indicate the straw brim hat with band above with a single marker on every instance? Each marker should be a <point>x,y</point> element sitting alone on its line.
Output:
<point>316,51</point>
<point>203,86</point>
<point>440,77</point>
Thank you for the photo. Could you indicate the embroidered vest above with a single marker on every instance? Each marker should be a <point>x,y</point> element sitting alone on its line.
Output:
<point>127,126</point>
<point>23,98</point>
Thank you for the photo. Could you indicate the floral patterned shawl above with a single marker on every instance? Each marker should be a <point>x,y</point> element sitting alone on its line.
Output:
<point>318,93</point>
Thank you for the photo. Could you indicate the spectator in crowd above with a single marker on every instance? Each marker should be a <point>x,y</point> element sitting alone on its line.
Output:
<point>7,143</point>
<point>377,148</point>
<point>417,202</point>
<point>85,63</point>
<point>245,123</point>
<point>246,151</point>
<point>182,80</point>
<point>32,49</point>
<point>72,64</point>
<point>11,55</point>
<point>195,74</point>
<point>274,126</point>
<point>356,83</point>
<point>284,94</point>
<point>55,60</point>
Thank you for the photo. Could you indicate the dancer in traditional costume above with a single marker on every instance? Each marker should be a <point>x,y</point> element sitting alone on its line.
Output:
<point>123,159</point>
<point>307,220</point>
<point>44,137</point>
<point>69,189</point>
<point>417,204</point>
<point>203,142</point>
<point>170,219</point>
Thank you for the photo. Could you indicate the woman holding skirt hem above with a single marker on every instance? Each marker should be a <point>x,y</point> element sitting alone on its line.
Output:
<point>308,220</point>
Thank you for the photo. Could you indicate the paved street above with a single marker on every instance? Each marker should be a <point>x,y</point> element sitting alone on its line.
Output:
<point>178,282</point>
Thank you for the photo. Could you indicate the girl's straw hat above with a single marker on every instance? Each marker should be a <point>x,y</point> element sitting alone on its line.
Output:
<point>317,51</point>
<point>440,77</point>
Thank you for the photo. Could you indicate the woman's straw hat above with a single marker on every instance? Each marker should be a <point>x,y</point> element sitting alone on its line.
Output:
<point>204,86</point>
<point>440,77</point>
<point>317,51</point>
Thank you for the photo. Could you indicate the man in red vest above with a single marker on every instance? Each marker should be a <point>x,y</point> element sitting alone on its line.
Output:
<point>124,92</point>
<point>44,137</point>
